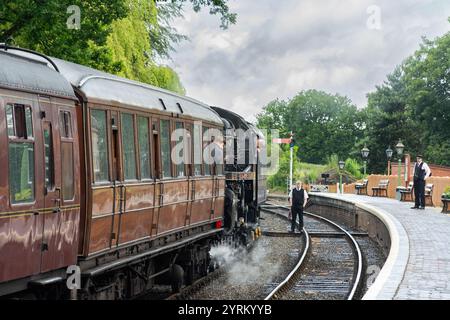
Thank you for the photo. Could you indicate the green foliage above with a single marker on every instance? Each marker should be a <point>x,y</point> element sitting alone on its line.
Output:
<point>323,124</point>
<point>42,26</point>
<point>118,36</point>
<point>216,7</point>
<point>129,43</point>
<point>307,172</point>
<point>446,193</point>
<point>413,104</point>
<point>24,195</point>
<point>352,167</point>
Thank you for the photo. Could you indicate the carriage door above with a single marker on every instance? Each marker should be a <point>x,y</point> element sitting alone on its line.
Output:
<point>51,255</point>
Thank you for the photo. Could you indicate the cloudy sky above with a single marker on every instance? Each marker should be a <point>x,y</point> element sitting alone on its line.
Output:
<point>280,47</point>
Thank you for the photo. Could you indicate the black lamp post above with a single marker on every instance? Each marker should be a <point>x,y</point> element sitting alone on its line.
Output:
<point>341,167</point>
<point>365,154</point>
<point>389,153</point>
<point>400,148</point>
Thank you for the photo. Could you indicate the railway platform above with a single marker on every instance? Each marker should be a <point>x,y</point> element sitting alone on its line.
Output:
<point>420,269</point>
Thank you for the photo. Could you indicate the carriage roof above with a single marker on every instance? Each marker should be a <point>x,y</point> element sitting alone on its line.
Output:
<point>103,86</point>
<point>26,71</point>
<point>21,73</point>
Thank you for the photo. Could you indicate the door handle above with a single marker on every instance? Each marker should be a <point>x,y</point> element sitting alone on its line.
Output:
<point>57,201</point>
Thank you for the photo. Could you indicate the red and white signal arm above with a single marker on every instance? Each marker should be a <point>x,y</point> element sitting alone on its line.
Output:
<point>281,141</point>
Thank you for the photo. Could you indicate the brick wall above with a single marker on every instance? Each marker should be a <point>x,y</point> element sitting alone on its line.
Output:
<point>440,183</point>
<point>437,171</point>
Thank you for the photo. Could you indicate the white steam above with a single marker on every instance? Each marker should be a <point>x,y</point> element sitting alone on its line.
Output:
<point>247,268</point>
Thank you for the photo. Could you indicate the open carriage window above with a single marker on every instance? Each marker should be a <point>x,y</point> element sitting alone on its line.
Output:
<point>21,153</point>
<point>19,121</point>
<point>65,124</point>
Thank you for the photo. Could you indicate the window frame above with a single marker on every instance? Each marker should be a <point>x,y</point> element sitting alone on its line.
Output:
<point>67,140</point>
<point>108,147</point>
<point>205,144</point>
<point>135,147</point>
<point>184,137</point>
<point>149,122</point>
<point>63,126</point>
<point>171,175</point>
<point>28,140</point>
<point>200,136</point>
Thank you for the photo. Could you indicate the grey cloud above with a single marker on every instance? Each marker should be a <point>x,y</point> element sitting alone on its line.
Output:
<point>279,48</point>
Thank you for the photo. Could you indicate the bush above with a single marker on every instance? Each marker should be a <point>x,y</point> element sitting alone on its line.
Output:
<point>446,194</point>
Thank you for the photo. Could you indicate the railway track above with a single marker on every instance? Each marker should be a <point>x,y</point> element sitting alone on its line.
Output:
<point>252,275</point>
<point>330,267</point>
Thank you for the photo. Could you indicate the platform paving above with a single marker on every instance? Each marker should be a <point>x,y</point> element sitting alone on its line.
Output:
<point>427,273</point>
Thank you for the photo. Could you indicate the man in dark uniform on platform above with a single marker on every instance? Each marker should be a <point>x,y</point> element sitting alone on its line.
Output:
<point>298,197</point>
<point>421,173</point>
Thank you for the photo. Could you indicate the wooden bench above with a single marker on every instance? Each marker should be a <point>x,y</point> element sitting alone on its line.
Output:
<point>382,188</point>
<point>429,195</point>
<point>406,193</point>
<point>445,202</point>
<point>361,188</point>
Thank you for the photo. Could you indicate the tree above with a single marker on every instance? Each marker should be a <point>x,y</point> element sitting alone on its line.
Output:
<point>129,44</point>
<point>323,124</point>
<point>42,26</point>
<point>389,119</point>
<point>114,36</point>
<point>413,104</point>
<point>427,74</point>
<point>273,116</point>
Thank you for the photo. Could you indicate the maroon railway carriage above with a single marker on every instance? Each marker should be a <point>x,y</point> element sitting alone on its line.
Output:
<point>88,180</point>
<point>39,184</point>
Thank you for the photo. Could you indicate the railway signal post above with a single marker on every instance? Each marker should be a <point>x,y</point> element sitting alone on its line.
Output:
<point>291,143</point>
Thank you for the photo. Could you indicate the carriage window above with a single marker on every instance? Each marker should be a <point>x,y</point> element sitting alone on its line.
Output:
<point>19,121</point>
<point>67,172</point>
<point>198,156</point>
<point>165,148</point>
<point>48,154</point>
<point>99,146</point>
<point>144,147</point>
<point>128,147</point>
<point>9,120</point>
<point>29,122</point>
<point>180,166</point>
<point>21,153</point>
<point>206,142</point>
<point>21,172</point>
<point>65,124</point>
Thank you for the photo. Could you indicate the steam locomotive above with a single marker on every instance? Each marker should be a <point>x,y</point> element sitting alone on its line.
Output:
<point>89,192</point>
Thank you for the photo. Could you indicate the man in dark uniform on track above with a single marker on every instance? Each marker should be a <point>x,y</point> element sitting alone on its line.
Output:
<point>298,197</point>
<point>421,174</point>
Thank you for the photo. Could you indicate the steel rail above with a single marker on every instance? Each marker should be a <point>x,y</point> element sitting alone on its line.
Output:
<point>286,281</point>
<point>359,261</point>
